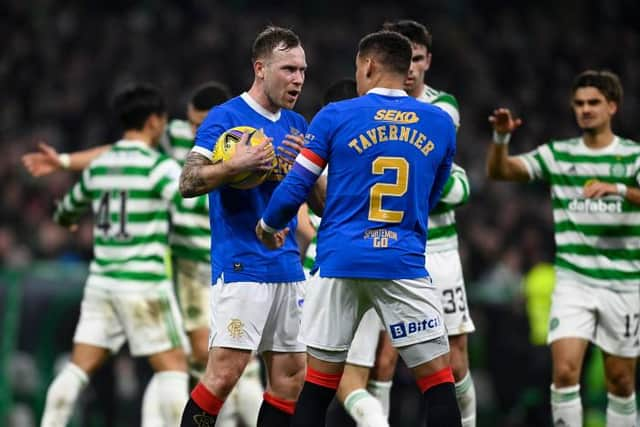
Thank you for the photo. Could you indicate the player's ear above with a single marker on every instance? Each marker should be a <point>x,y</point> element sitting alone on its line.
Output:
<point>157,122</point>
<point>258,69</point>
<point>369,67</point>
<point>428,60</point>
<point>152,121</point>
<point>612,107</point>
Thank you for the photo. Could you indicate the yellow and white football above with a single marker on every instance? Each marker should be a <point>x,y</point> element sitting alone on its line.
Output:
<point>226,147</point>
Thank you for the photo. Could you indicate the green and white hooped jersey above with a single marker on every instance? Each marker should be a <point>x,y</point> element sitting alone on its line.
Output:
<point>597,240</point>
<point>131,189</point>
<point>191,232</point>
<point>177,141</point>
<point>442,220</point>
<point>444,100</point>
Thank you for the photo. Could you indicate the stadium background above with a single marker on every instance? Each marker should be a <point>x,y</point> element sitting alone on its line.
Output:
<point>61,60</point>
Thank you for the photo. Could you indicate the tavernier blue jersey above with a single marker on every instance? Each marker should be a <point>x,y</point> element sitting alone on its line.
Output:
<point>235,250</point>
<point>388,158</point>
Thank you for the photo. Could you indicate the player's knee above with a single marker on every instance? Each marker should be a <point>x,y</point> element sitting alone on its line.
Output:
<point>620,383</point>
<point>287,387</point>
<point>221,380</point>
<point>385,364</point>
<point>458,358</point>
<point>566,373</point>
<point>459,368</point>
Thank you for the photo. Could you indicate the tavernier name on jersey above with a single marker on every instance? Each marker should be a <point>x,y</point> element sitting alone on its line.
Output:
<point>388,158</point>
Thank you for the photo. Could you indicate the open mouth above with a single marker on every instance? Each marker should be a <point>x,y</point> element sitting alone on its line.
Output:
<point>293,93</point>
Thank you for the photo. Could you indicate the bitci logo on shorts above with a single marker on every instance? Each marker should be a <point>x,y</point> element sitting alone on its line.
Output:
<point>404,329</point>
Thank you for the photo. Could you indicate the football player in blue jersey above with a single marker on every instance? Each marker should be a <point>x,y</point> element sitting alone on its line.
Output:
<point>371,368</point>
<point>257,293</point>
<point>388,158</point>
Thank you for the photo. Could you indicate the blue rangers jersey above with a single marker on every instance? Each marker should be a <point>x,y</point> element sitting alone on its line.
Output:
<point>235,251</point>
<point>388,158</point>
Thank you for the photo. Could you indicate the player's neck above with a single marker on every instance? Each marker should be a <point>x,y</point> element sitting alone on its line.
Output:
<point>136,135</point>
<point>598,138</point>
<point>417,91</point>
<point>257,94</point>
<point>389,82</point>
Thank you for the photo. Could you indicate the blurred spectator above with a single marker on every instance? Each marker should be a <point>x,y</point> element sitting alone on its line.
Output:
<point>61,61</point>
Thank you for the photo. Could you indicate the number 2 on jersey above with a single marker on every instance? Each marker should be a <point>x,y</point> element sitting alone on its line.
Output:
<point>396,189</point>
<point>104,217</point>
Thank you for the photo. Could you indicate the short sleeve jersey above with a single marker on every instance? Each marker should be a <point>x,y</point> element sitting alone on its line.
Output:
<point>236,252</point>
<point>597,240</point>
<point>131,189</point>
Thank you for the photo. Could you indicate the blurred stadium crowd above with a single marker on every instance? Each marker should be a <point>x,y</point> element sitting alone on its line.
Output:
<point>61,60</point>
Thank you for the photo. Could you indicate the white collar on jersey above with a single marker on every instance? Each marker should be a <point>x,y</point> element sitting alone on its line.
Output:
<point>133,143</point>
<point>274,117</point>
<point>387,92</point>
<point>604,150</point>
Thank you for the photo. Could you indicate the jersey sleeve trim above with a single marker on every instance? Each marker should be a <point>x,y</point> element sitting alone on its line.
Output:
<point>309,162</point>
<point>201,150</point>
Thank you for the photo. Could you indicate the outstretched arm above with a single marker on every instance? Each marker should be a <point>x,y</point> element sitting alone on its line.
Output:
<point>47,160</point>
<point>500,165</point>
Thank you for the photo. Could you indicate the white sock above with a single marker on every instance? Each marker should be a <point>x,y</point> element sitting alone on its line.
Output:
<point>172,395</point>
<point>228,415</point>
<point>566,406</point>
<point>62,395</point>
<point>466,397</point>
<point>250,393</point>
<point>151,414</point>
<point>365,409</point>
<point>621,411</point>
<point>381,390</point>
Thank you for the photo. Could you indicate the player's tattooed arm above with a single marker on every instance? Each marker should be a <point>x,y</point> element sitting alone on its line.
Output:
<point>191,181</point>
<point>200,176</point>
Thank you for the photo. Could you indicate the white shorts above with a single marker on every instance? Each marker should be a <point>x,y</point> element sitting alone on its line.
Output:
<point>608,319</point>
<point>445,269</point>
<point>193,285</point>
<point>365,340</point>
<point>410,310</point>
<point>256,316</point>
<point>145,315</point>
